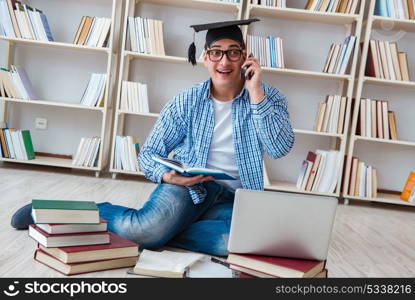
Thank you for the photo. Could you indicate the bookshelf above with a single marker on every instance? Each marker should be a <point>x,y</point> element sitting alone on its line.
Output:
<point>392,158</point>
<point>61,92</point>
<point>155,70</point>
<point>287,22</point>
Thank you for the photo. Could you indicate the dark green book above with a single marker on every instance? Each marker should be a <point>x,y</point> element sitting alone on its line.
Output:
<point>27,140</point>
<point>64,212</point>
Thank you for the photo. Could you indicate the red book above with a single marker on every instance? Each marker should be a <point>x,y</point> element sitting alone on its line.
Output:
<point>84,267</point>
<point>277,266</point>
<point>74,228</point>
<point>245,273</point>
<point>67,239</point>
<point>117,248</point>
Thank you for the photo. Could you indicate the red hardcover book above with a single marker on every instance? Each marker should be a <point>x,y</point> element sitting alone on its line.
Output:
<point>277,266</point>
<point>117,248</point>
<point>84,267</point>
<point>74,228</point>
<point>67,239</point>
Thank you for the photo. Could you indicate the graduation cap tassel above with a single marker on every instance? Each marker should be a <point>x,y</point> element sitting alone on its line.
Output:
<point>191,54</point>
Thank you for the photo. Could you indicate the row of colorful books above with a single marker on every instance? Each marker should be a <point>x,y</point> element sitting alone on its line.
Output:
<point>320,171</point>
<point>16,144</point>
<point>339,6</point>
<point>134,97</point>
<point>331,114</point>
<point>15,83</point>
<point>72,239</point>
<point>93,32</point>
<point>87,152</point>
<point>95,90</point>
<point>268,50</point>
<point>386,62</point>
<point>125,154</point>
<point>363,179</point>
<point>22,21</point>
<point>375,120</point>
<point>145,36</point>
<point>408,192</point>
<point>272,3</point>
<point>396,9</point>
<point>339,56</point>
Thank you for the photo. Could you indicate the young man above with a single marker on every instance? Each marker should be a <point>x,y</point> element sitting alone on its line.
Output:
<point>224,123</point>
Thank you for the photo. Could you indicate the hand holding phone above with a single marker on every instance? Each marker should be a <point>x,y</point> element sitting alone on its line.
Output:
<point>243,71</point>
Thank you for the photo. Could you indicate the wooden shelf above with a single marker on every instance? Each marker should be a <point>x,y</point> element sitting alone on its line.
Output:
<point>307,74</point>
<point>126,172</point>
<point>50,161</point>
<point>393,24</point>
<point>378,140</point>
<point>197,4</point>
<point>52,103</point>
<point>312,132</point>
<point>291,187</point>
<point>383,198</point>
<point>55,45</point>
<point>161,58</point>
<point>303,15</point>
<point>150,115</point>
<point>382,82</point>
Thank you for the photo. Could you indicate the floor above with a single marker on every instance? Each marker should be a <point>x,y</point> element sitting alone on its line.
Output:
<point>369,239</point>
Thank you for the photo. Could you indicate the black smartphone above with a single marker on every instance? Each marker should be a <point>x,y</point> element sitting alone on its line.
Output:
<point>243,71</point>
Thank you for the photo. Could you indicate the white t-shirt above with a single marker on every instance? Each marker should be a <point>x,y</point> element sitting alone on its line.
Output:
<point>222,150</point>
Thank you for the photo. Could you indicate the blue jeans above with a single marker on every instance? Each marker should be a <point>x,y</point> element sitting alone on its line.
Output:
<point>169,217</point>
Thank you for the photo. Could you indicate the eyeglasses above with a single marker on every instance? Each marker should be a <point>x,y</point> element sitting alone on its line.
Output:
<point>232,54</point>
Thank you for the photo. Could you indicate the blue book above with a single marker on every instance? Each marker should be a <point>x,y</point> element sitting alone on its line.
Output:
<point>46,26</point>
<point>344,47</point>
<point>192,171</point>
<point>274,53</point>
<point>381,8</point>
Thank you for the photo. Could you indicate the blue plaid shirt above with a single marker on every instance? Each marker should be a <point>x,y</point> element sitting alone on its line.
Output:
<point>186,126</point>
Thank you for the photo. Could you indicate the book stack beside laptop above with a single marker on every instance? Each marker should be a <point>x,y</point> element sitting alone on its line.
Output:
<point>251,266</point>
<point>72,239</point>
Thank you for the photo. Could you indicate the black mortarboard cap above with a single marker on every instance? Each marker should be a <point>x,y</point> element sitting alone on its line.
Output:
<point>218,31</point>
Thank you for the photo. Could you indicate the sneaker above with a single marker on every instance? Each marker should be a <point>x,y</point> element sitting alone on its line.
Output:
<point>22,218</point>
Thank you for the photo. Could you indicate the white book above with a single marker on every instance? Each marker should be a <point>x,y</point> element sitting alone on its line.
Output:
<point>6,20</point>
<point>135,100</point>
<point>141,38</point>
<point>99,94</point>
<point>132,155</point>
<point>369,182</point>
<point>362,183</point>
<point>95,152</point>
<point>334,114</point>
<point>88,90</point>
<point>117,160</point>
<point>146,108</point>
<point>78,152</point>
<point>41,27</point>
<point>329,172</point>
<point>95,90</point>
<point>22,24</point>
<point>368,117</point>
<point>16,144</point>
<point>390,62</point>
<point>320,170</point>
<point>124,156</point>
<point>301,175</point>
<point>132,35</point>
<point>10,145</point>
<point>129,106</point>
<point>105,32</point>
<point>348,52</point>
<point>28,22</point>
<point>336,171</point>
<point>18,85</point>
<point>87,153</point>
<point>88,40</point>
<point>32,19</point>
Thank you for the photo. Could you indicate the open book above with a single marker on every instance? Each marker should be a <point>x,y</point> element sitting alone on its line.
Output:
<point>185,170</point>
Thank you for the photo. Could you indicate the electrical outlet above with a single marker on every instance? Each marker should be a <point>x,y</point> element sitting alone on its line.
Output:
<point>41,123</point>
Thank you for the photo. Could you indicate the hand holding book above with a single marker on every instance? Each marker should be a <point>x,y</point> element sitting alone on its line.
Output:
<point>173,177</point>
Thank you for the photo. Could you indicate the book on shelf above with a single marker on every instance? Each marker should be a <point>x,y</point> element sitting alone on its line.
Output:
<point>22,21</point>
<point>339,56</point>
<point>192,171</point>
<point>94,92</point>
<point>268,50</point>
<point>273,266</point>
<point>320,171</point>
<point>87,152</point>
<point>248,273</point>
<point>331,115</point>
<point>396,9</point>
<point>333,6</point>
<point>65,211</point>
<point>271,3</point>
<point>15,83</point>
<point>126,151</point>
<point>57,228</point>
<point>134,97</point>
<point>408,190</point>
<point>67,239</point>
<point>83,267</point>
<point>16,144</point>
<point>375,120</point>
<point>362,180</point>
<point>145,36</point>
<point>384,61</point>
<point>117,247</point>
<point>93,32</point>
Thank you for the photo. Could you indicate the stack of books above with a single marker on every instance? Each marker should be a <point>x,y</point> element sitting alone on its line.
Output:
<point>339,56</point>
<point>94,92</point>
<point>363,180</point>
<point>268,50</point>
<point>375,120</point>
<point>16,144</point>
<point>72,239</point>
<point>15,83</point>
<point>145,36</point>
<point>276,267</point>
<point>408,192</point>
<point>126,151</point>
<point>339,6</point>
<point>134,97</point>
<point>397,9</point>
<point>22,21</point>
<point>320,171</point>
<point>386,62</point>
<point>272,3</point>
<point>331,115</point>
<point>87,152</point>
<point>93,32</point>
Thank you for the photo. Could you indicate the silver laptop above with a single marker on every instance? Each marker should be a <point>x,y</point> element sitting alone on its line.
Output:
<point>282,224</point>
